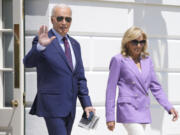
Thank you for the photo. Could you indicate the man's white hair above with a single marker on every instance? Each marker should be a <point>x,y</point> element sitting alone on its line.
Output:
<point>59,6</point>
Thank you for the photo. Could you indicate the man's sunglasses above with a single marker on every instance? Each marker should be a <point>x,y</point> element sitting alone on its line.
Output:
<point>136,42</point>
<point>61,18</point>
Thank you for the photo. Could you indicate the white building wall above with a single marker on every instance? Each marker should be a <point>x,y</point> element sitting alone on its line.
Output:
<point>99,25</point>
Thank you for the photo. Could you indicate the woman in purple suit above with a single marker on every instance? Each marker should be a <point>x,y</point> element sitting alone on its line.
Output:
<point>133,72</point>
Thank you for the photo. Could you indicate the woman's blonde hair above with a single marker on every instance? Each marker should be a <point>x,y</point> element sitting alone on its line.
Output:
<point>131,34</point>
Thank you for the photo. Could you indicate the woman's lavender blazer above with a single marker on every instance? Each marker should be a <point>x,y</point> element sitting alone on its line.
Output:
<point>133,102</point>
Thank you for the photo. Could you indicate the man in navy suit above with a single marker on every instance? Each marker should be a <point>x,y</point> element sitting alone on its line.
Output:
<point>60,74</point>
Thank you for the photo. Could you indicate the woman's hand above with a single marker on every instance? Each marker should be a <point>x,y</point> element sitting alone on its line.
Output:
<point>175,114</point>
<point>111,125</point>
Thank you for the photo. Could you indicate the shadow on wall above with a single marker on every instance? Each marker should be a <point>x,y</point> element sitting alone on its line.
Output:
<point>36,14</point>
<point>152,21</point>
<point>39,7</point>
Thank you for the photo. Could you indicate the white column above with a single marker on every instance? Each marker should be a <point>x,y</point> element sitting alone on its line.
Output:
<point>1,59</point>
<point>18,124</point>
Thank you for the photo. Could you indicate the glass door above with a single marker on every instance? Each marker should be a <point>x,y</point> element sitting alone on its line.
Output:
<point>11,67</point>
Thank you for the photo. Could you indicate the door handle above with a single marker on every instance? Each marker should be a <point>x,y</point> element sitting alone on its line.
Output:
<point>14,103</point>
<point>16,56</point>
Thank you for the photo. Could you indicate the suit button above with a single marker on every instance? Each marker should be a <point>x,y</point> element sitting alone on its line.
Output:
<point>136,95</point>
<point>133,82</point>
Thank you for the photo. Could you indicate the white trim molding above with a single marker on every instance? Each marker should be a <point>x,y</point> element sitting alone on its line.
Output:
<point>1,59</point>
<point>164,3</point>
<point>6,30</point>
<point>6,69</point>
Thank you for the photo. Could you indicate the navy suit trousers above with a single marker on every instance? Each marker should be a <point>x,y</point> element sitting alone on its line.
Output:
<point>59,125</point>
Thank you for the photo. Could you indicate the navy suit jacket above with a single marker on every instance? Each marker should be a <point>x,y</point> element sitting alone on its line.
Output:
<point>58,86</point>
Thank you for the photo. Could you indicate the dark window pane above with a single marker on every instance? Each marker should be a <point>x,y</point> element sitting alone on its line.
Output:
<point>8,87</point>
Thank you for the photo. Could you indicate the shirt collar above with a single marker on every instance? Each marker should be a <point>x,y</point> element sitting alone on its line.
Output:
<point>59,37</point>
